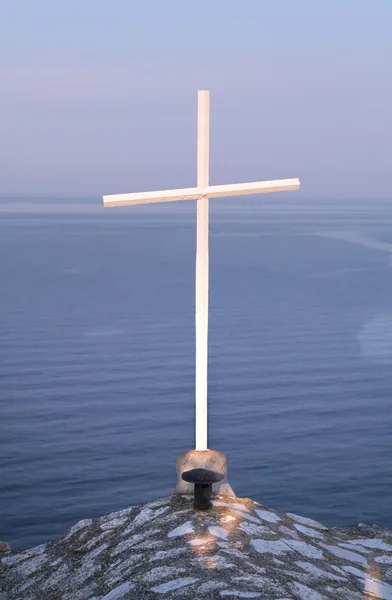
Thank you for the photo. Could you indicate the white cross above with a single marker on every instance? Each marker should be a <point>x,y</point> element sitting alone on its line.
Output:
<point>202,193</point>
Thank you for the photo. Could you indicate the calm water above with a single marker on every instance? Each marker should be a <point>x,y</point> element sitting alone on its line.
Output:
<point>97,358</point>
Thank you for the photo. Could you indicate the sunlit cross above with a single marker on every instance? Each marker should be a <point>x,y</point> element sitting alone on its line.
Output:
<point>202,193</point>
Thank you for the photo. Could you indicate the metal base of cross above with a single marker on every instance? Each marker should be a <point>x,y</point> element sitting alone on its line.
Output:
<point>202,459</point>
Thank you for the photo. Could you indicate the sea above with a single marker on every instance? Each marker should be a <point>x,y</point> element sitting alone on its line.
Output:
<point>97,356</point>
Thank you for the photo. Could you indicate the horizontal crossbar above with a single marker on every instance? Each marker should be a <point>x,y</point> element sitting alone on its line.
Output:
<point>211,191</point>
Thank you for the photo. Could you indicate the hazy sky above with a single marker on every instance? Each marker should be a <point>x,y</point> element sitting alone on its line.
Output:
<point>100,96</point>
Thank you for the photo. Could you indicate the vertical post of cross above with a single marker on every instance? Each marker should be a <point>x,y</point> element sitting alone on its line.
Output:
<point>202,268</point>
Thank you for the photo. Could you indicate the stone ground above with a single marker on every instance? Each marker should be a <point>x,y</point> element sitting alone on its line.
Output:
<point>238,549</point>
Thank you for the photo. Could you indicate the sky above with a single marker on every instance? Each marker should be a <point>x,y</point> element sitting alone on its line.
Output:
<point>100,97</point>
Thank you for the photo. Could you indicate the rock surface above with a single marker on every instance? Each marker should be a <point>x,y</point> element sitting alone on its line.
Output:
<point>166,549</point>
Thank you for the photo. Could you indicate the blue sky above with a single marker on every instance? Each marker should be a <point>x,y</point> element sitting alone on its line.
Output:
<point>100,97</point>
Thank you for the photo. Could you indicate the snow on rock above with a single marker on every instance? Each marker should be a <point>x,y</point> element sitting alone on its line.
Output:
<point>77,527</point>
<point>384,559</point>
<point>158,573</point>
<point>306,593</point>
<point>181,530</point>
<point>305,549</point>
<point>308,531</point>
<point>247,517</point>
<point>305,521</point>
<point>232,505</point>
<point>147,515</point>
<point>346,554</point>
<point>239,594</point>
<point>372,543</point>
<point>267,515</point>
<point>317,572</point>
<point>170,586</point>
<point>238,549</point>
<point>378,588</point>
<point>119,592</point>
<point>218,532</point>
<point>277,547</point>
<point>114,523</point>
